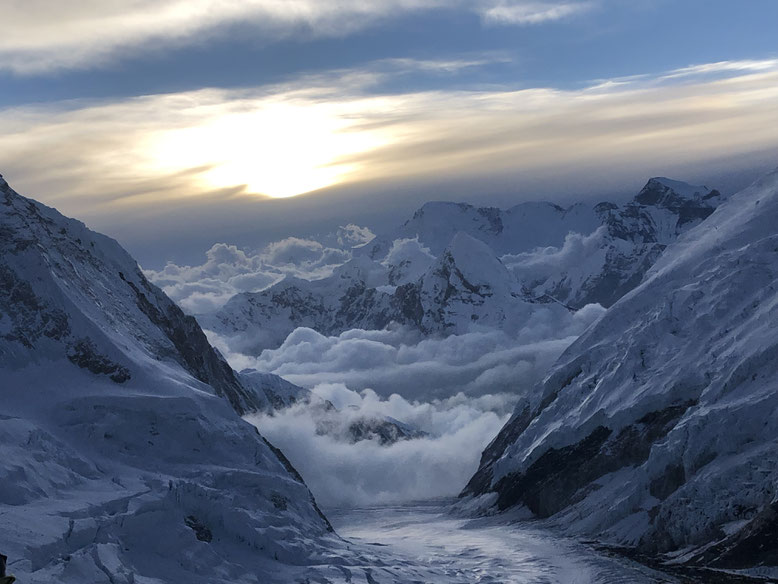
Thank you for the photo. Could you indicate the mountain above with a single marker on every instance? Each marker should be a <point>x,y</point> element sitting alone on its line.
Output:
<point>523,227</point>
<point>610,262</point>
<point>124,457</point>
<point>466,287</point>
<point>271,392</point>
<point>658,427</point>
<point>469,286</point>
<point>452,267</point>
<point>343,301</point>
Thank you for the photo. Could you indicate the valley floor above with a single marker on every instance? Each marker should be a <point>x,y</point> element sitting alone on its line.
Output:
<point>421,543</point>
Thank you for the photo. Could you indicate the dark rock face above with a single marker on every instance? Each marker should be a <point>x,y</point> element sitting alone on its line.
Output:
<point>85,355</point>
<point>202,533</point>
<point>31,317</point>
<point>193,351</point>
<point>385,431</point>
<point>552,482</point>
<point>754,545</point>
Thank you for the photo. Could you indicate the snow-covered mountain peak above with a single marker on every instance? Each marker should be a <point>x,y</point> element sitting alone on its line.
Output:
<point>475,264</point>
<point>673,194</point>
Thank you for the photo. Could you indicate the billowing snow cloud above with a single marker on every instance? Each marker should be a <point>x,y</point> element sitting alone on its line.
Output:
<point>341,473</point>
<point>539,264</point>
<point>229,270</point>
<point>353,235</point>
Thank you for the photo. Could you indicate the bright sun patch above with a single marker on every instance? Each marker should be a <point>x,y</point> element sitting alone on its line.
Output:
<point>278,149</point>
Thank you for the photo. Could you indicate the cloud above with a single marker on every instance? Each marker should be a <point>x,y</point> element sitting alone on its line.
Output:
<point>526,13</point>
<point>397,360</point>
<point>229,270</point>
<point>723,67</point>
<point>193,148</point>
<point>351,235</point>
<point>40,36</point>
<point>576,251</point>
<point>407,260</point>
<point>340,473</point>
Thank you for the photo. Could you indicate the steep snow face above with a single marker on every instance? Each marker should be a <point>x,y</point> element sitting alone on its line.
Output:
<point>611,261</point>
<point>123,458</point>
<point>469,286</point>
<point>658,426</point>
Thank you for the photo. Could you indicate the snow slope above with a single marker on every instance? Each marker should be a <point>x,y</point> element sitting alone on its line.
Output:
<point>122,455</point>
<point>658,427</point>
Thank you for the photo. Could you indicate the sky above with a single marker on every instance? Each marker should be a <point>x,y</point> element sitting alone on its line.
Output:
<point>176,124</point>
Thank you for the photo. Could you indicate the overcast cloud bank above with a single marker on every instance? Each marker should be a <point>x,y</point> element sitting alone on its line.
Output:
<point>335,129</point>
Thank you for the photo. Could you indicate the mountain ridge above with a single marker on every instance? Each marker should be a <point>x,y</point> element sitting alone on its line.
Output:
<point>390,280</point>
<point>124,455</point>
<point>625,441</point>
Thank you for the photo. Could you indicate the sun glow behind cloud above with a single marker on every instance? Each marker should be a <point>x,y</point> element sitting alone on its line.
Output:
<point>275,147</point>
<point>148,154</point>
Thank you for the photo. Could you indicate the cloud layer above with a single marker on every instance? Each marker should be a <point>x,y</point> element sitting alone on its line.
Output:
<point>366,473</point>
<point>401,361</point>
<point>40,36</point>
<point>192,146</point>
<point>229,270</point>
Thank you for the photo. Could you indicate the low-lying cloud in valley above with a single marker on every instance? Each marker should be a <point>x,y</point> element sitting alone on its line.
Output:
<point>342,473</point>
<point>459,390</point>
<point>397,360</point>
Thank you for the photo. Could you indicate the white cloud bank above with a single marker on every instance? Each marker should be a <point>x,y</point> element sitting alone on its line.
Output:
<point>541,263</point>
<point>400,361</point>
<point>340,473</point>
<point>229,270</point>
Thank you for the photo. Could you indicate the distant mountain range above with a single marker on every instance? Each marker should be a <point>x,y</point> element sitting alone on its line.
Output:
<point>454,267</point>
